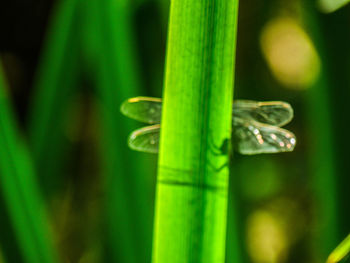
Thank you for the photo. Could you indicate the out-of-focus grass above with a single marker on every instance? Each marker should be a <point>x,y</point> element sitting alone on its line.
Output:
<point>298,59</point>
<point>99,35</point>
<point>336,38</point>
<point>329,6</point>
<point>56,80</point>
<point>340,252</point>
<point>320,148</point>
<point>322,152</point>
<point>20,190</point>
<point>127,176</point>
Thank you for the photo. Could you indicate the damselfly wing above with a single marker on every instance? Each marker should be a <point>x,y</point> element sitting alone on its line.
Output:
<point>251,137</point>
<point>256,125</point>
<point>276,113</point>
<point>145,139</point>
<point>143,109</point>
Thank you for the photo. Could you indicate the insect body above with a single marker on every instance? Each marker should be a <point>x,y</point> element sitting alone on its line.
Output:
<point>255,125</point>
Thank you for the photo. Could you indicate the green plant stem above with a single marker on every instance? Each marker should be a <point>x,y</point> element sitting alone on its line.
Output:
<point>20,190</point>
<point>193,170</point>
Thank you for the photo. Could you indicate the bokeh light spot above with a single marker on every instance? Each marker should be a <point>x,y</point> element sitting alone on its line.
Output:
<point>289,53</point>
<point>267,242</point>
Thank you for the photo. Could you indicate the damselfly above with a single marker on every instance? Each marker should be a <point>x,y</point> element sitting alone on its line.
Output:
<point>255,125</point>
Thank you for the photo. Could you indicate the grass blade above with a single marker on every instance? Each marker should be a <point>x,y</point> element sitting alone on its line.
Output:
<point>340,252</point>
<point>20,190</point>
<point>128,185</point>
<point>192,185</point>
<point>322,153</point>
<point>56,81</point>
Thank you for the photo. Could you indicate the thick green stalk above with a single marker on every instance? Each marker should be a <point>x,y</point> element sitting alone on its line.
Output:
<point>193,170</point>
<point>20,190</point>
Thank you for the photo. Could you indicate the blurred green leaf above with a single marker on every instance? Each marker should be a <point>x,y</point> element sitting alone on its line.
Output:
<point>56,81</point>
<point>127,175</point>
<point>329,6</point>
<point>340,252</point>
<point>322,151</point>
<point>21,193</point>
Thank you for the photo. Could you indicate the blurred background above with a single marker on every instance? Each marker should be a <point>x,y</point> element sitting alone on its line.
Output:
<point>67,65</point>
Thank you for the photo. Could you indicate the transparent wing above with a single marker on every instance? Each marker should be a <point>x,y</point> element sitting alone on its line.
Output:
<point>145,139</point>
<point>276,113</point>
<point>254,125</point>
<point>144,109</point>
<point>255,138</point>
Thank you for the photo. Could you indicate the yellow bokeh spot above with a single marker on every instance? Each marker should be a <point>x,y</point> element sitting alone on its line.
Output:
<point>290,53</point>
<point>266,238</point>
